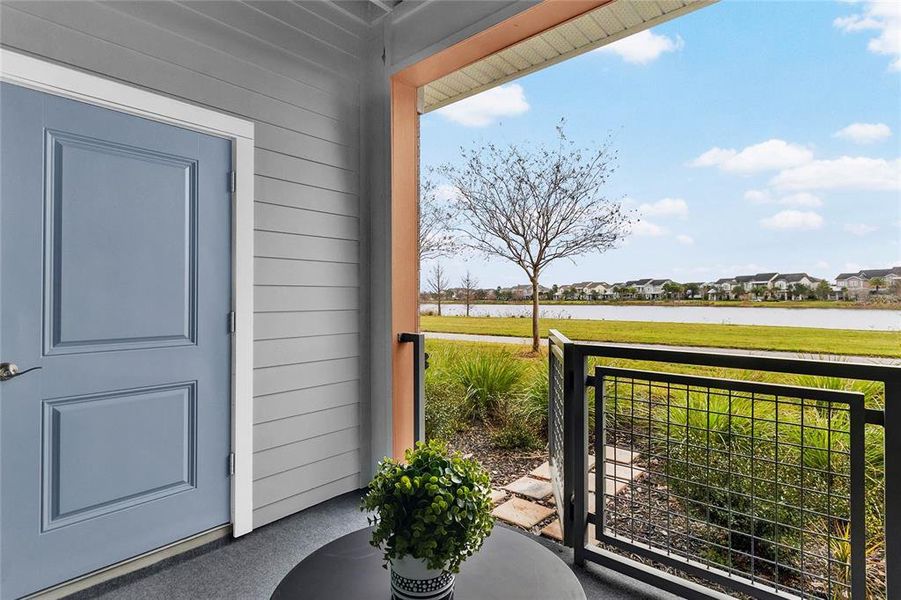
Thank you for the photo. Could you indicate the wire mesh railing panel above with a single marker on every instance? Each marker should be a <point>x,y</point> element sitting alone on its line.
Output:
<point>756,487</point>
<point>556,421</point>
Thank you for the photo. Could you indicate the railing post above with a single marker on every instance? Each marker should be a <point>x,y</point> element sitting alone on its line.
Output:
<point>892,488</point>
<point>419,367</point>
<point>576,434</point>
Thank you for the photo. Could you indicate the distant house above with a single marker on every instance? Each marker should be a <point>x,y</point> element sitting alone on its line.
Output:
<point>524,292</point>
<point>653,290</point>
<point>742,284</point>
<point>858,284</point>
<point>853,282</point>
<point>694,289</point>
<point>721,289</point>
<point>763,280</point>
<point>784,284</point>
<point>747,283</point>
<point>596,289</point>
<point>575,291</point>
<point>889,276</point>
<point>639,285</point>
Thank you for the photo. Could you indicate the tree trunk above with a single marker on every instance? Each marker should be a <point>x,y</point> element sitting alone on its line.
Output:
<point>535,336</point>
<point>439,304</point>
<point>467,305</point>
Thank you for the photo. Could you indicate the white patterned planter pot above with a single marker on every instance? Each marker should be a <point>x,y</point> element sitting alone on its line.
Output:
<point>411,579</point>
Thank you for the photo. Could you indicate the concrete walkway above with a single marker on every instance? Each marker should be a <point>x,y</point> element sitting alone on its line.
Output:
<point>500,339</point>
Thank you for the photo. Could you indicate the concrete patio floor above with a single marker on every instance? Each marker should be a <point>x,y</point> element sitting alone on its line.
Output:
<point>251,567</point>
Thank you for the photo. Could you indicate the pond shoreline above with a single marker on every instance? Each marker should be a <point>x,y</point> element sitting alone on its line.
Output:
<point>861,320</point>
<point>793,304</point>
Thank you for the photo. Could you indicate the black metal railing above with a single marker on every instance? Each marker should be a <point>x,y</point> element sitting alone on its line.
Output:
<point>420,364</point>
<point>771,490</point>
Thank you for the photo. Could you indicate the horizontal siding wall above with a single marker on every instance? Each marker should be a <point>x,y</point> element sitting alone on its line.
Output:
<point>294,70</point>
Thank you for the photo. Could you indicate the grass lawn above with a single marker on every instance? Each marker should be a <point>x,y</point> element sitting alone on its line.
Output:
<point>757,337</point>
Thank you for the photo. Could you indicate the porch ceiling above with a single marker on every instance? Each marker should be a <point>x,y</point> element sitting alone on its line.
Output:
<point>593,29</point>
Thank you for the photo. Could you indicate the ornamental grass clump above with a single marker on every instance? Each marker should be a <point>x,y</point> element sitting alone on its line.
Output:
<point>435,507</point>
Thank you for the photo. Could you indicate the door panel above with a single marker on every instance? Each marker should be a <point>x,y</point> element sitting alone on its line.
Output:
<point>148,283</point>
<point>92,445</point>
<point>115,280</point>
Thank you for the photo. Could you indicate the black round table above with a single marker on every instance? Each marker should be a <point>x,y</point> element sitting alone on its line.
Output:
<point>510,566</point>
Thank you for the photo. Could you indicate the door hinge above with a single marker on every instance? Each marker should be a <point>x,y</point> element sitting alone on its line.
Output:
<point>231,322</point>
<point>233,181</point>
<point>231,463</point>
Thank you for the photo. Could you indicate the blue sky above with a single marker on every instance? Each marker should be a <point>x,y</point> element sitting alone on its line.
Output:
<point>752,136</point>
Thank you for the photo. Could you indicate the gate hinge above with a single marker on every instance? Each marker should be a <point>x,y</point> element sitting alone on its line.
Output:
<point>231,322</point>
<point>232,181</point>
<point>231,463</point>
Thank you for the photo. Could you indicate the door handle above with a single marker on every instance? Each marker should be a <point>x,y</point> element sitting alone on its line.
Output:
<point>11,370</point>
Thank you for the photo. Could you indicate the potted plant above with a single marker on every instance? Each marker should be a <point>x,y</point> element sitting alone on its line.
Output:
<point>430,513</point>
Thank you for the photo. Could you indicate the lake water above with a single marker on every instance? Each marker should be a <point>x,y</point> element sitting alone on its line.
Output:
<point>828,318</point>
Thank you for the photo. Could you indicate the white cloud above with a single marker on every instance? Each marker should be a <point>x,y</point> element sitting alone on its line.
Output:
<point>685,239</point>
<point>647,229</point>
<point>488,107</point>
<point>805,199</point>
<point>643,47</point>
<point>860,228</point>
<point>884,19</point>
<point>801,199</point>
<point>770,155</point>
<point>759,196</point>
<point>847,172</point>
<point>864,133</point>
<point>666,207</point>
<point>793,219</point>
<point>714,157</point>
<point>446,193</point>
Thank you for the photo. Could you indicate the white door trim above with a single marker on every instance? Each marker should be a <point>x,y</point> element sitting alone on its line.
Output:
<point>56,79</point>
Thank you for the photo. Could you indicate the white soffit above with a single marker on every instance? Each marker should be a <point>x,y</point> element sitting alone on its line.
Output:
<point>598,27</point>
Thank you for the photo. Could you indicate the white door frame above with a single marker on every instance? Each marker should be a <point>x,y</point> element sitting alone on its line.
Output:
<point>53,78</point>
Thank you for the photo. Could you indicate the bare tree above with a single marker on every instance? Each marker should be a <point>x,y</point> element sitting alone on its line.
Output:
<point>469,285</point>
<point>438,284</point>
<point>535,205</point>
<point>435,212</point>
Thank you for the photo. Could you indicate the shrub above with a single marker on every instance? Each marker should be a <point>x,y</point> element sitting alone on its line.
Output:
<point>723,474</point>
<point>534,401</point>
<point>489,379</point>
<point>444,411</point>
<point>515,435</point>
<point>444,396</point>
<point>435,507</point>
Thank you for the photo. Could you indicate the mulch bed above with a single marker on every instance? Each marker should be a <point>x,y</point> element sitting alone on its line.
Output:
<point>504,466</point>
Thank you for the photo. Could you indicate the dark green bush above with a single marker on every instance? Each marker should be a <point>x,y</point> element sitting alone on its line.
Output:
<point>516,435</point>
<point>444,410</point>
<point>489,378</point>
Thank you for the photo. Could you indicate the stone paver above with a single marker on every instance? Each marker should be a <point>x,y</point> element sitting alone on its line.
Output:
<point>498,496</point>
<point>620,455</point>
<point>618,478</point>
<point>542,471</point>
<point>554,531</point>
<point>533,488</point>
<point>522,512</point>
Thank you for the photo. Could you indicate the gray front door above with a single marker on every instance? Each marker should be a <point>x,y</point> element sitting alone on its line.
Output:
<point>115,281</point>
